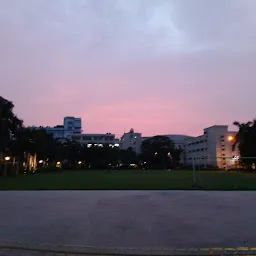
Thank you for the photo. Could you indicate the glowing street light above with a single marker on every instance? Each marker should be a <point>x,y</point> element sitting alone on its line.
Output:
<point>7,158</point>
<point>156,154</point>
<point>169,154</point>
<point>230,138</point>
<point>40,161</point>
<point>79,162</point>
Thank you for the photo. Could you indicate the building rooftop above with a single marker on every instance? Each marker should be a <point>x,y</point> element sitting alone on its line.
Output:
<point>226,126</point>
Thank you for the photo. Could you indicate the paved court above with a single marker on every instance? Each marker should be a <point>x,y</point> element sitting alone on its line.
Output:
<point>129,218</point>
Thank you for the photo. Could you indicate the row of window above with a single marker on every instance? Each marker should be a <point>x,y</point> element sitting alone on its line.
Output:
<point>197,150</point>
<point>99,138</point>
<point>197,158</point>
<point>197,142</point>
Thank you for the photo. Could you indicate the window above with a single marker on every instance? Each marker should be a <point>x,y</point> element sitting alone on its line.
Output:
<point>197,150</point>
<point>201,141</point>
<point>70,128</point>
<point>87,138</point>
<point>223,149</point>
<point>223,154</point>
<point>202,149</point>
<point>70,122</point>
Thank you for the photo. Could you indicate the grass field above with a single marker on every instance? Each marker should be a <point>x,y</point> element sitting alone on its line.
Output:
<point>130,179</point>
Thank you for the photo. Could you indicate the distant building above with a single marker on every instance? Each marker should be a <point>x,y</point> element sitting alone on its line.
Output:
<point>131,140</point>
<point>213,148</point>
<point>96,139</point>
<point>71,125</point>
<point>134,140</point>
<point>57,131</point>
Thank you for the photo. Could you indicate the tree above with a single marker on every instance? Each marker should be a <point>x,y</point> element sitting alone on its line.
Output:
<point>246,141</point>
<point>128,156</point>
<point>160,151</point>
<point>10,124</point>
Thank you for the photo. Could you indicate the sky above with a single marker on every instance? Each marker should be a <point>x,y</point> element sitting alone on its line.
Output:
<point>158,66</point>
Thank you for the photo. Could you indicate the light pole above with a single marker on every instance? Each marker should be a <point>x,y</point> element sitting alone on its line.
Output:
<point>7,158</point>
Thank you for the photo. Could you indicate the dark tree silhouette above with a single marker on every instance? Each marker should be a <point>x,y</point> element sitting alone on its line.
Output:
<point>246,141</point>
<point>160,151</point>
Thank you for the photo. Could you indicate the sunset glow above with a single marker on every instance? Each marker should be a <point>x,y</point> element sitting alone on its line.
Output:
<point>151,65</point>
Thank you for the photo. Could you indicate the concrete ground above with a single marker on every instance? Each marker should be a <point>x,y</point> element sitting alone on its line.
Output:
<point>129,218</point>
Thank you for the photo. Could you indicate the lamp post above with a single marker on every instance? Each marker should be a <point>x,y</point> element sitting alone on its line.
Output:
<point>7,158</point>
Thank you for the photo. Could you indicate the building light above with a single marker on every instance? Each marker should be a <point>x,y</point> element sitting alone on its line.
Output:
<point>58,163</point>
<point>116,145</point>
<point>79,162</point>
<point>230,138</point>
<point>40,161</point>
<point>7,158</point>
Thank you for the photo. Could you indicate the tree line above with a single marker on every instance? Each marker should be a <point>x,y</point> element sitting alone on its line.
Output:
<point>33,148</point>
<point>30,148</point>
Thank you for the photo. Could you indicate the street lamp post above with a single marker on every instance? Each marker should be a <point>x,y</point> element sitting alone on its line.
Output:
<point>7,158</point>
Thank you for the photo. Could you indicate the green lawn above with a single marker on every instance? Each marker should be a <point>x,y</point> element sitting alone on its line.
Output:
<point>130,179</point>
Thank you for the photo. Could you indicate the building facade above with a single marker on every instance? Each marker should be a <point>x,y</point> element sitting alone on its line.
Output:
<point>132,140</point>
<point>71,125</point>
<point>96,139</point>
<point>212,149</point>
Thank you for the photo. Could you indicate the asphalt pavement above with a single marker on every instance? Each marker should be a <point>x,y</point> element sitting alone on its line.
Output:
<point>162,219</point>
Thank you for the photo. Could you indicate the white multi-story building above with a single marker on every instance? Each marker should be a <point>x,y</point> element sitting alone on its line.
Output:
<point>96,139</point>
<point>212,149</point>
<point>71,125</point>
<point>57,131</point>
<point>132,140</point>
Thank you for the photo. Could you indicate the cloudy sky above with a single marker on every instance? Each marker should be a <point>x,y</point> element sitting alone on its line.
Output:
<point>159,66</point>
